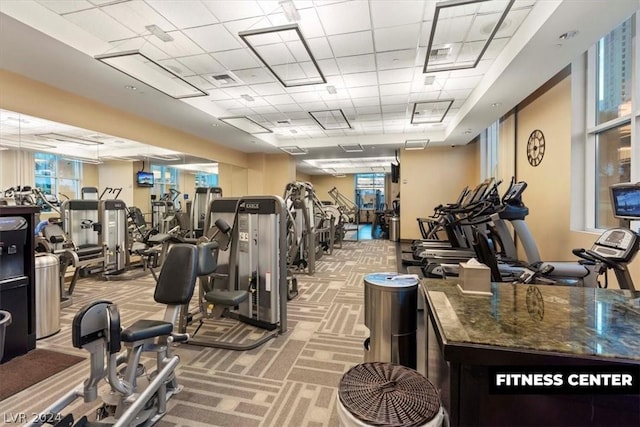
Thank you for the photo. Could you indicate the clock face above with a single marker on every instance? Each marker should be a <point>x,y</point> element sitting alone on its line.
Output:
<point>535,148</point>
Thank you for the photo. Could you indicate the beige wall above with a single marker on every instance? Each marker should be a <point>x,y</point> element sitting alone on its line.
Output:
<point>433,176</point>
<point>117,174</point>
<point>323,183</point>
<point>16,168</point>
<point>89,175</point>
<point>233,180</point>
<point>268,174</point>
<point>302,177</point>
<point>23,95</point>
<point>279,170</point>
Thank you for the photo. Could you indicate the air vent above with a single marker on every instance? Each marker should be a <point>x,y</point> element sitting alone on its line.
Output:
<point>226,79</point>
<point>355,148</point>
<point>440,52</point>
<point>294,150</point>
<point>283,122</point>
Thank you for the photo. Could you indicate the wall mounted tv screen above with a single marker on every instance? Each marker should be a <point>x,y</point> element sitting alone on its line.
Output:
<point>626,201</point>
<point>145,179</point>
<point>395,173</point>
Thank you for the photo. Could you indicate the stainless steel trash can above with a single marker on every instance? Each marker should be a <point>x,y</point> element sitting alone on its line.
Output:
<point>394,228</point>
<point>390,313</point>
<point>5,321</point>
<point>47,295</point>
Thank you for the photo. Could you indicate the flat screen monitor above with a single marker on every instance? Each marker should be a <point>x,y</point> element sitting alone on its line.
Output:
<point>625,200</point>
<point>395,173</point>
<point>144,179</point>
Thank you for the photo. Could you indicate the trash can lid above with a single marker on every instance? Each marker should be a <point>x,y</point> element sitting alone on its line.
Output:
<point>392,280</point>
<point>380,393</point>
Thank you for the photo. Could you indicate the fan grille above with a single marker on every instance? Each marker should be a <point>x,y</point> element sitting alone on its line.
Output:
<point>384,394</point>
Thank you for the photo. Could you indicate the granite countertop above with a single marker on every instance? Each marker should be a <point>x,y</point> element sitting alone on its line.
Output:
<point>564,319</point>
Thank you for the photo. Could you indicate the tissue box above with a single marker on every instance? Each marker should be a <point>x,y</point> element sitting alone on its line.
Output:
<point>475,278</point>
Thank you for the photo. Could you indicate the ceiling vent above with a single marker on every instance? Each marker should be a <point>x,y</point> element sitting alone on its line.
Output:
<point>294,150</point>
<point>283,122</point>
<point>355,148</point>
<point>226,79</point>
<point>440,52</point>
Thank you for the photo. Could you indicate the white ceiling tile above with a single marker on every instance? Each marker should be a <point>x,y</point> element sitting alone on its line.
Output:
<point>390,13</point>
<point>369,117</point>
<point>457,94</point>
<point>313,106</point>
<point>345,17</point>
<point>278,54</point>
<point>180,46</point>
<point>244,111</point>
<point>236,59</point>
<point>141,45</point>
<point>356,64</point>
<point>231,10</point>
<point>338,103</point>
<point>101,25</point>
<point>425,33</point>
<point>267,109</point>
<point>360,79</point>
<point>479,70</point>
<point>395,89</point>
<point>461,83</point>
<point>352,44</point>
<point>184,17</point>
<point>200,83</point>
<point>68,6</point>
<point>306,96</point>
<point>176,67</point>
<point>394,99</point>
<point>213,38</point>
<point>279,99</point>
<point>274,117</point>
<point>366,102</point>
<point>238,91</point>
<point>363,92</point>
<point>396,59</point>
<point>396,76</point>
<point>218,95</point>
<point>255,76</point>
<point>304,88</point>
<point>268,89</point>
<point>495,48</point>
<point>397,108</point>
<point>329,67</point>
<point>452,30</point>
<point>136,15</point>
<point>288,108</point>
<point>427,95</point>
<point>320,48</point>
<point>368,110</point>
<point>230,103</point>
<point>309,23</point>
<point>299,117</point>
<point>336,81</point>
<point>234,27</point>
<point>397,38</point>
<point>202,64</point>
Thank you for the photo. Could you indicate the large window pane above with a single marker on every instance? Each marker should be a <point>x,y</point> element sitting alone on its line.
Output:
<point>613,73</point>
<point>613,157</point>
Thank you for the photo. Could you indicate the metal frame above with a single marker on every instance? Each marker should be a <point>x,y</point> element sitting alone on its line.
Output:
<point>413,112</point>
<point>454,3</point>
<point>224,120</point>
<point>311,113</point>
<point>245,34</point>
<point>101,58</point>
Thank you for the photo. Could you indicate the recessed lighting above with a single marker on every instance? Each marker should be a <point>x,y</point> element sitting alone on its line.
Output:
<point>395,60</point>
<point>247,98</point>
<point>496,104</point>
<point>130,87</point>
<point>467,132</point>
<point>215,125</point>
<point>568,35</point>
<point>428,81</point>
<point>332,90</point>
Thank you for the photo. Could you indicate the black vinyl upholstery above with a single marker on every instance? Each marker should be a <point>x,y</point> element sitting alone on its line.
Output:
<point>207,258</point>
<point>486,254</point>
<point>93,321</point>
<point>226,298</point>
<point>177,278</point>
<point>144,329</point>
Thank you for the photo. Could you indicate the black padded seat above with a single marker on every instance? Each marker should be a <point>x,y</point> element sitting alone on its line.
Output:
<point>144,329</point>
<point>227,298</point>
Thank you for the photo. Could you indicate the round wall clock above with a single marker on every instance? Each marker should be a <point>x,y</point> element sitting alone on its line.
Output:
<point>535,148</point>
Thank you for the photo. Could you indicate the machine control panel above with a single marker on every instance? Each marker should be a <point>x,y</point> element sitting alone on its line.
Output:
<point>617,244</point>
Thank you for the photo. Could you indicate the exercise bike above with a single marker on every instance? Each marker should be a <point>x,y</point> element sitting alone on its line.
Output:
<point>134,398</point>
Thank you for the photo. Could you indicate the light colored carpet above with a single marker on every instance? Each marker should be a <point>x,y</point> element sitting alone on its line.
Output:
<point>290,381</point>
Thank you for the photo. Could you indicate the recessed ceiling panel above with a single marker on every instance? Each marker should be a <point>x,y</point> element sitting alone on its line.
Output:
<point>415,144</point>
<point>286,54</point>
<point>462,31</point>
<point>330,119</point>
<point>136,65</point>
<point>430,111</point>
<point>245,124</point>
<point>294,150</point>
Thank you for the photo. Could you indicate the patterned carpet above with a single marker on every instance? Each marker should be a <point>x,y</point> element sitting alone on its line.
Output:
<point>290,381</point>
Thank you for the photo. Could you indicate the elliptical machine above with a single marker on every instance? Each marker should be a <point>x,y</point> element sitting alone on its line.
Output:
<point>96,328</point>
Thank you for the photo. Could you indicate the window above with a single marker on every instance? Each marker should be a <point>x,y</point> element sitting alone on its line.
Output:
<point>611,117</point>
<point>56,176</point>
<point>206,179</point>
<point>370,191</point>
<point>165,178</point>
<point>489,150</point>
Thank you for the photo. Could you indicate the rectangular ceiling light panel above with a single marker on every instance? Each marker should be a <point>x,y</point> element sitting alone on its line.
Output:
<point>245,124</point>
<point>430,111</point>
<point>140,67</point>
<point>415,144</point>
<point>462,31</point>
<point>331,119</point>
<point>294,150</point>
<point>355,148</point>
<point>284,51</point>
<point>58,137</point>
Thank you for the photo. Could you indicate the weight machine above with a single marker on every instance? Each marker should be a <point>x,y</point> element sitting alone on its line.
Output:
<point>349,210</point>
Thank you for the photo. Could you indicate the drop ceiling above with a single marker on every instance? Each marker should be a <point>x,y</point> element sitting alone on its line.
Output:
<point>371,54</point>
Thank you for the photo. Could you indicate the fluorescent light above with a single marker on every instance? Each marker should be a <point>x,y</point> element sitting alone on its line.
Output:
<point>330,119</point>
<point>475,28</point>
<point>88,161</point>
<point>245,124</point>
<point>415,144</point>
<point>430,111</point>
<point>294,150</point>
<point>59,137</point>
<point>142,68</point>
<point>356,148</point>
<point>247,97</point>
<point>289,10</point>
<point>159,33</point>
<point>274,47</point>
